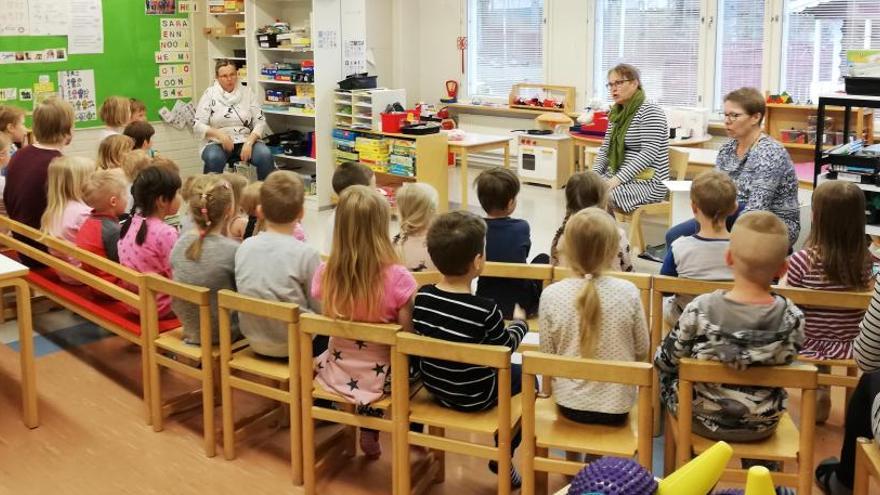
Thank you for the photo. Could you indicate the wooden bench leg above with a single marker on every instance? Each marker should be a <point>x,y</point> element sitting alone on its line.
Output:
<point>228,414</point>
<point>669,447</point>
<point>209,428</point>
<point>26,353</point>
<point>439,455</point>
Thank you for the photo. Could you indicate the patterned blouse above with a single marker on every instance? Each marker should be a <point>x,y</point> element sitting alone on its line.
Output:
<point>765,180</point>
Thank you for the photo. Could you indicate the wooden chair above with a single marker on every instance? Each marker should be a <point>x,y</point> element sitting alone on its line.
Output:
<point>678,161</point>
<point>831,300</point>
<point>270,378</point>
<point>342,444</point>
<point>785,445</point>
<point>422,409</point>
<point>867,466</point>
<point>544,428</point>
<point>169,350</point>
<point>525,271</point>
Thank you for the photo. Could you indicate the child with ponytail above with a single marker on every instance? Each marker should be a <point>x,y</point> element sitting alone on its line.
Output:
<point>417,206</point>
<point>593,316</point>
<point>145,241</point>
<point>202,255</point>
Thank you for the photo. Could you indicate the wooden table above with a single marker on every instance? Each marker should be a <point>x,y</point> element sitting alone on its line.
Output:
<point>584,143</point>
<point>12,274</point>
<point>473,143</point>
<point>699,160</point>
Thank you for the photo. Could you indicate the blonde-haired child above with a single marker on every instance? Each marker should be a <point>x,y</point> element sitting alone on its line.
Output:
<point>592,315</point>
<point>202,255</point>
<point>116,113</point>
<point>113,150</point>
<point>105,193</point>
<point>138,110</point>
<point>417,207</point>
<point>65,209</point>
<point>585,190</point>
<point>145,241</point>
<point>234,228</point>
<point>362,280</point>
<point>12,126</point>
<point>835,258</point>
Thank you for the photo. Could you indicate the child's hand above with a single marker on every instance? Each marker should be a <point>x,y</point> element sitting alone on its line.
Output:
<point>518,312</point>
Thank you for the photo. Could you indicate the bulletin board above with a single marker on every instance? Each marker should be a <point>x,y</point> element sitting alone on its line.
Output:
<point>127,67</point>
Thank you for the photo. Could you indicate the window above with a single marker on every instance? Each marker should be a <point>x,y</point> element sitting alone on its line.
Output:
<point>816,36</point>
<point>505,45</point>
<point>660,37</point>
<point>739,46</point>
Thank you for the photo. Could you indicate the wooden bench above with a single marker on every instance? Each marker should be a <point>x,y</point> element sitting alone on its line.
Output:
<point>112,307</point>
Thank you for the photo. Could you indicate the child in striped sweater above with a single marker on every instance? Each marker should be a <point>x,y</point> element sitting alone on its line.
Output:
<point>449,311</point>
<point>835,258</point>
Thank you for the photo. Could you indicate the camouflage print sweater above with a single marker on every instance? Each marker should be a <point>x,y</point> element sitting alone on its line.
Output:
<point>714,328</point>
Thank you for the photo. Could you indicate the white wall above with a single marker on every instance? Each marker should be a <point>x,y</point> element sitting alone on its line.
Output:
<point>179,146</point>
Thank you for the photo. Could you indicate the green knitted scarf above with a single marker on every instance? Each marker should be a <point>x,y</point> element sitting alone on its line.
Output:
<point>621,116</point>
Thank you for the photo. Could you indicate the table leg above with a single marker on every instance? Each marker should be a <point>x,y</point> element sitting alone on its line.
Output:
<point>507,154</point>
<point>26,353</point>
<point>464,179</point>
<point>575,164</point>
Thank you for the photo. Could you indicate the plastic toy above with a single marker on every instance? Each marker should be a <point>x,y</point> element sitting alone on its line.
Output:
<point>613,476</point>
<point>699,475</point>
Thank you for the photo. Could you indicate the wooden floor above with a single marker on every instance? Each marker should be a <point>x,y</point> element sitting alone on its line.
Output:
<point>93,439</point>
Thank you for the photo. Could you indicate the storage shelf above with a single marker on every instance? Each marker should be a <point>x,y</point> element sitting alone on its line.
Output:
<point>239,59</point>
<point>800,146</point>
<point>226,13</point>
<point>289,50</point>
<point>291,114</point>
<point>340,114</point>
<point>864,187</point>
<point>365,105</point>
<point>236,36</point>
<point>285,83</point>
<point>298,158</point>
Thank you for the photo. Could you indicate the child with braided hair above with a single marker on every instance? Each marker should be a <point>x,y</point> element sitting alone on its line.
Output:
<point>203,256</point>
<point>417,207</point>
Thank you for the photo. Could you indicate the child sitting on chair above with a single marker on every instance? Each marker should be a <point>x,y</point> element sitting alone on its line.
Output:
<point>508,240</point>
<point>449,311</point>
<point>745,326</point>
<point>701,256</point>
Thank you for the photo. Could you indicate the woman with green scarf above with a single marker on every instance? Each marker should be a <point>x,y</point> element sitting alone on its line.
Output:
<point>634,157</point>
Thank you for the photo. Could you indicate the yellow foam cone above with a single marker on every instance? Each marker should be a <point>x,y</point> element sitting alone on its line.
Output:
<point>699,475</point>
<point>759,482</point>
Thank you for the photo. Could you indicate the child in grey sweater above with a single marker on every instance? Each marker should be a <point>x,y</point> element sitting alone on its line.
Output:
<point>274,265</point>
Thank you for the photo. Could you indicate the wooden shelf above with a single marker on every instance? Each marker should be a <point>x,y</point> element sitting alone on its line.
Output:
<point>290,50</point>
<point>237,59</point>
<point>285,83</point>
<point>291,114</point>
<point>809,147</point>
<point>298,158</point>
<point>499,110</point>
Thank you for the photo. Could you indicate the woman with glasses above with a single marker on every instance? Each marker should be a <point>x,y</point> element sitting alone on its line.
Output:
<point>759,165</point>
<point>231,122</point>
<point>634,157</point>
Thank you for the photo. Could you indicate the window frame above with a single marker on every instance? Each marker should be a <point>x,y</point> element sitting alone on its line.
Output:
<point>464,30</point>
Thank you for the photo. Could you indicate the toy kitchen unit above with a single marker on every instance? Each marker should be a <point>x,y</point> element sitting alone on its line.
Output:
<point>544,158</point>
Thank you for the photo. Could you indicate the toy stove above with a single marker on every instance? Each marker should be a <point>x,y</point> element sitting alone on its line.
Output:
<point>545,159</point>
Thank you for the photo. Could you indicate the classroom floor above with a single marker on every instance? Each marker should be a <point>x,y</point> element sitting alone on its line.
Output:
<point>93,439</point>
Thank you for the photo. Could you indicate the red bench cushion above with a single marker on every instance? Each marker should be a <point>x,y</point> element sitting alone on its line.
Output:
<point>83,297</point>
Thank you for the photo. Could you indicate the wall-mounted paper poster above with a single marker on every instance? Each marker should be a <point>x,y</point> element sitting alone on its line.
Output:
<point>25,94</point>
<point>173,57</point>
<point>43,90</point>
<point>49,17</point>
<point>78,88</point>
<point>174,70</point>
<point>14,19</point>
<point>175,93</point>
<point>160,7</point>
<point>34,56</point>
<point>174,81</point>
<point>187,6</point>
<point>86,27</point>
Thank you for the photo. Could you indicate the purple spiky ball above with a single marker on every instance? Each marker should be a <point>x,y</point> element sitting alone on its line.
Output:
<point>613,476</point>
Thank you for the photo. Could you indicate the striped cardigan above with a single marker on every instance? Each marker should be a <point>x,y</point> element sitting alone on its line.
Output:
<point>647,146</point>
<point>866,351</point>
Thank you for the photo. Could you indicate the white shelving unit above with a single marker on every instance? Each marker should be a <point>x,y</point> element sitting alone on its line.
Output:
<point>362,109</point>
<point>229,45</point>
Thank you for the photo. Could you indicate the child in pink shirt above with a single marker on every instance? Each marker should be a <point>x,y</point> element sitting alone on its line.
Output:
<point>65,210</point>
<point>362,281</point>
<point>145,241</point>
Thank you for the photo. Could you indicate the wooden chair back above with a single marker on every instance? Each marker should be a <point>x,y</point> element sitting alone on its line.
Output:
<point>678,163</point>
<point>625,373</point>
<point>794,376</point>
<point>427,277</point>
<point>254,380</point>
<point>497,357</point>
<point>172,343</point>
<point>867,466</point>
<point>312,325</point>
